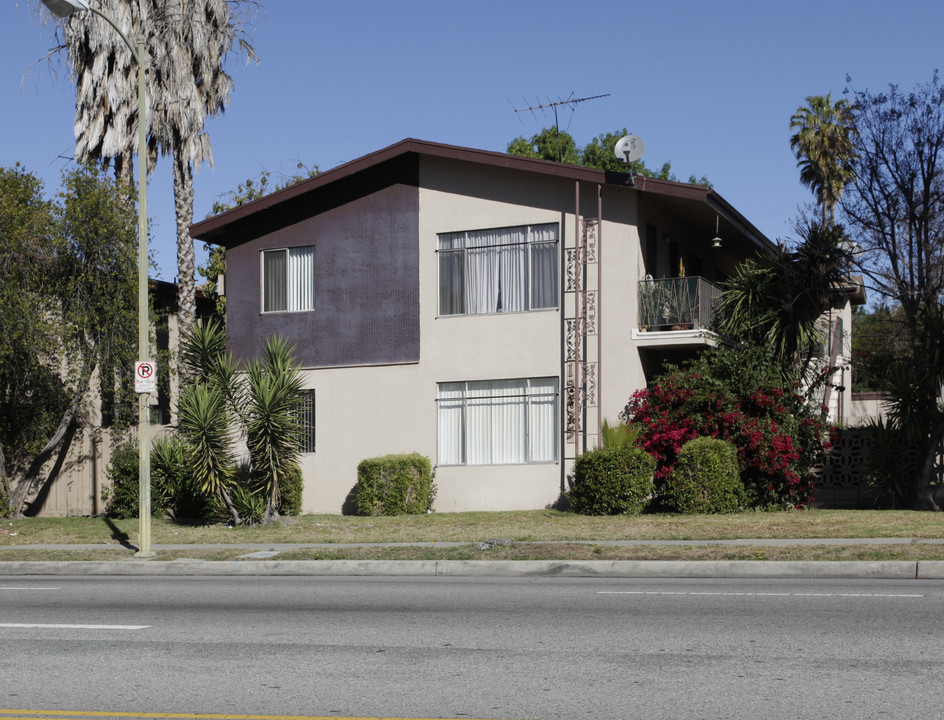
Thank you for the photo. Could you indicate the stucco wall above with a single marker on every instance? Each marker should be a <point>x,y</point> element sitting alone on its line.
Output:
<point>366,286</point>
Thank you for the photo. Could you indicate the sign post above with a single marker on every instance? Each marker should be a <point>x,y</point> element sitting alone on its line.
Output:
<point>145,382</point>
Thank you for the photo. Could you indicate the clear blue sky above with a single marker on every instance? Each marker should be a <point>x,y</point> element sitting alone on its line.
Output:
<point>708,86</point>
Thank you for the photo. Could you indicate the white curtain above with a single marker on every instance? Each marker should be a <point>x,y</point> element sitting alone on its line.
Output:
<point>301,278</point>
<point>497,422</point>
<point>542,420</point>
<point>482,271</point>
<point>513,269</point>
<point>450,412</point>
<point>544,254</point>
<point>499,270</point>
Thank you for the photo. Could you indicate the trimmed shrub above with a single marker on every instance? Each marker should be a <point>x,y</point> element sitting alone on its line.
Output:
<point>705,479</point>
<point>395,485</point>
<point>290,492</point>
<point>611,481</point>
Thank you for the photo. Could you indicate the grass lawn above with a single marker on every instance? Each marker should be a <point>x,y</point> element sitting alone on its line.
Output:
<point>537,534</point>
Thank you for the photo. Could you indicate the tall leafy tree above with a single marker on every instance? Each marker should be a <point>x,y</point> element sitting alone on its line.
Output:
<point>825,149</point>
<point>67,310</point>
<point>894,208</point>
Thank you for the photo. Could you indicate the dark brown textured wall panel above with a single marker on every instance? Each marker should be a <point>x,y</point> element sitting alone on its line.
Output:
<point>366,285</point>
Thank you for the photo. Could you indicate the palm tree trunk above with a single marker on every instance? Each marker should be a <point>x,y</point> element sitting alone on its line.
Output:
<point>183,206</point>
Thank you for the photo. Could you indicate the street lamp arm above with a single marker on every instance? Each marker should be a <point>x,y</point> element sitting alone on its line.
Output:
<point>64,8</point>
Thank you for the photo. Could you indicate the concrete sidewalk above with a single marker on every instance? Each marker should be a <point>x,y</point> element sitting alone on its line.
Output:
<point>261,559</point>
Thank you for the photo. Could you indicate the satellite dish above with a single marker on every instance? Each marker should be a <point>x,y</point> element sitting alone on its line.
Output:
<point>629,149</point>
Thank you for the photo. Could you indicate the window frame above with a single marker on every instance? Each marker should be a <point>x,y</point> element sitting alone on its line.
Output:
<point>460,250</point>
<point>534,391</point>
<point>287,280</point>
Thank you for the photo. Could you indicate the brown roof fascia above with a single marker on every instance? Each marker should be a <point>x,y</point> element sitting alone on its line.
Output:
<point>212,228</point>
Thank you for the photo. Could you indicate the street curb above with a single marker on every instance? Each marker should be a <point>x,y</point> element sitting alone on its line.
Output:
<point>876,570</point>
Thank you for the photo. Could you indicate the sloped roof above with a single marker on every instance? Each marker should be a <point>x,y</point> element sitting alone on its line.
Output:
<point>393,164</point>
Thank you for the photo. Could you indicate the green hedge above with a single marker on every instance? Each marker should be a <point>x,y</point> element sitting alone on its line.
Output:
<point>705,479</point>
<point>395,485</point>
<point>612,481</point>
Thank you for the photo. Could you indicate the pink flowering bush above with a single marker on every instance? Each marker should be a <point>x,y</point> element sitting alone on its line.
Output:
<point>737,396</point>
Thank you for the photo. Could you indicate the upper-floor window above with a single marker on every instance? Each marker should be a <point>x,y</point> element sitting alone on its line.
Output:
<point>288,279</point>
<point>509,269</point>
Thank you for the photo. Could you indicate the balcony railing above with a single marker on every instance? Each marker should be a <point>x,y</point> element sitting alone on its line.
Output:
<point>684,303</point>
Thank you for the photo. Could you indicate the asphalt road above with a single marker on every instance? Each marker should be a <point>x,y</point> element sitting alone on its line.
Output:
<point>517,648</point>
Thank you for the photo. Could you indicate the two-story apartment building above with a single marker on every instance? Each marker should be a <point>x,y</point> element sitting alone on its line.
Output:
<point>485,310</point>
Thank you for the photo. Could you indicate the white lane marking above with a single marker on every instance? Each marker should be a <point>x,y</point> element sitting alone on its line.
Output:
<point>760,594</point>
<point>73,627</point>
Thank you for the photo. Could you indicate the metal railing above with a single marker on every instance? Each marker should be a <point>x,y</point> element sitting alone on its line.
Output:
<point>684,303</point>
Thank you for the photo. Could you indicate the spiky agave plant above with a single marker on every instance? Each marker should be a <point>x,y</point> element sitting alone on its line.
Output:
<point>205,426</point>
<point>273,395</point>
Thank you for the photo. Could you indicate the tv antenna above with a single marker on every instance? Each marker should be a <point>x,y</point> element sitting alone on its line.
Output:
<point>570,102</point>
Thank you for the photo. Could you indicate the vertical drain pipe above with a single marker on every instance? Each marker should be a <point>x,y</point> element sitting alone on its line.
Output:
<point>599,313</point>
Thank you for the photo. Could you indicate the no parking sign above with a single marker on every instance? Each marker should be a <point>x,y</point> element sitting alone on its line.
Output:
<point>145,377</point>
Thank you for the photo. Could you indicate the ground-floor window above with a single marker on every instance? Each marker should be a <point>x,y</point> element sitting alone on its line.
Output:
<point>306,418</point>
<point>498,422</point>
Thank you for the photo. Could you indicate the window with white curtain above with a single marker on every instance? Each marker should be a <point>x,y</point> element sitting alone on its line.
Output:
<point>288,279</point>
<point>497,422</point>
<point>510,269</point>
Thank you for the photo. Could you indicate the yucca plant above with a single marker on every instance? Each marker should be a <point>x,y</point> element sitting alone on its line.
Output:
<point>205,426</point>
<point>273,395</point>
<point>614,436</point>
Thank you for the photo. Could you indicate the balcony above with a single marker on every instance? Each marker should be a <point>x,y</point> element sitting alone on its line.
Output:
<point>677,311</point>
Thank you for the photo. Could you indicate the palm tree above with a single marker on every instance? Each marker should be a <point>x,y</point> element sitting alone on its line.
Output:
<point>105,77</point>
<point>778,302</point>
<point>192,85</point>
<point>823,143</point>
<point>188,43</point>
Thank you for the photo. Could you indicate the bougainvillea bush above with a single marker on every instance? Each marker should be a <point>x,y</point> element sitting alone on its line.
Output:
<point>736,395</point>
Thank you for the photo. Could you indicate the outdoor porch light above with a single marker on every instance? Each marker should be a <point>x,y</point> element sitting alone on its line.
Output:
<point>61,9</point>
<point>716,240</point>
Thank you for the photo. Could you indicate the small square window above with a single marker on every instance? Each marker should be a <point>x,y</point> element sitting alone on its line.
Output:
<point>288,279</point>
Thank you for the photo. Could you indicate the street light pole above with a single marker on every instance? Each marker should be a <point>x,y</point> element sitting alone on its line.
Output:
<point>64,8</point>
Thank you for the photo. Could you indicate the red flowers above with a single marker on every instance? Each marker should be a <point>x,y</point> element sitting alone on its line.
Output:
<point>776,435</point>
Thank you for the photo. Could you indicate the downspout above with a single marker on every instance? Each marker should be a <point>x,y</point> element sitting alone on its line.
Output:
<point>599,314</point>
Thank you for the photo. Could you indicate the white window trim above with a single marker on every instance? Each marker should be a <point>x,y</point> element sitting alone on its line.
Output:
<point>262,280</point>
